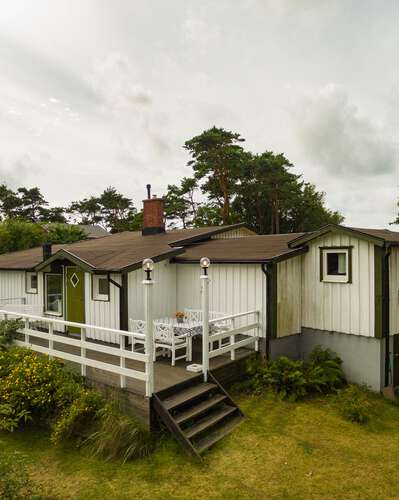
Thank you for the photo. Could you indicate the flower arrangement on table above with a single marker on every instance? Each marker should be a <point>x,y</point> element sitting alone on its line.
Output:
<point>180,316</point>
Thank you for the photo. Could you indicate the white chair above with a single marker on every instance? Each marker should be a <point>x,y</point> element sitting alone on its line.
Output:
<point>166,339</point>
<point>137,326</point>
<point>217,327</point>
<point>193,315</point>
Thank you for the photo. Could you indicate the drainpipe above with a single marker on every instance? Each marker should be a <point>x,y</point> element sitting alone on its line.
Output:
<point>123,301</point>
<point>267,271</point>
<point>385,312</point>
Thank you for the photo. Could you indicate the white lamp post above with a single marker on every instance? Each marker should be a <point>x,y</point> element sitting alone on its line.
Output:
<point>148,267</point>
<point>205,263</point>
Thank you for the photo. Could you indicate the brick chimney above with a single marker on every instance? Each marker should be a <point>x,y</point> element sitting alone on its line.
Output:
<point>154,208</point>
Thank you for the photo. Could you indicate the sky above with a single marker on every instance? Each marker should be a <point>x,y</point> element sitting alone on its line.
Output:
<point>100,93</point>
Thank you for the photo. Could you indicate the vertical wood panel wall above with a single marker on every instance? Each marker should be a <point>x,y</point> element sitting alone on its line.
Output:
<point>241,232</point>
<point>233,288</point>
<point>394,291</point>
<point>339,307</point>
<point>164,291</point>
<point>12,286</point>
<point>102,313</point>
<point>289,297</point>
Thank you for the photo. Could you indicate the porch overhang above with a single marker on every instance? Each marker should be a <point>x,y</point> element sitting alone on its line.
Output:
<point>65,254</point>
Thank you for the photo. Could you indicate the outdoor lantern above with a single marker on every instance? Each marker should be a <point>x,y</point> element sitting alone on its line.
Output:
<point>205,263</point>
<point>148,267</point>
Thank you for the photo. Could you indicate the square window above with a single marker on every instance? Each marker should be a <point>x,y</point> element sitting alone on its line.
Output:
<point>335,265</point>
<point>100,284</point>
<point>31,282</point>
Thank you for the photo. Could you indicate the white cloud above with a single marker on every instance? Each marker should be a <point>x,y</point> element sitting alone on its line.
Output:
<point>342,141</point>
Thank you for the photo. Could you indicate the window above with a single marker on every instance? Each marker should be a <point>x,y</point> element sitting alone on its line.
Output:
<point>100,287</point>
<point>31,282</point>
<point>335,265</point>
<point>54,295</point>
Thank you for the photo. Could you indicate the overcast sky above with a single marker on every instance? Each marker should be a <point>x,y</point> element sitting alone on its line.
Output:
<point>98,92</point>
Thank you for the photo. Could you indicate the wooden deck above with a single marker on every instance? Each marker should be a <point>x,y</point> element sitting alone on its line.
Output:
<point>166,376</point>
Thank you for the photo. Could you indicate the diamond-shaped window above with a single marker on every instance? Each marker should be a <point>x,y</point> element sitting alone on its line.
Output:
<point>74,280</point>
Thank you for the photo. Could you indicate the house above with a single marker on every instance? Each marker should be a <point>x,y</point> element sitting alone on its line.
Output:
<point>337,287</point>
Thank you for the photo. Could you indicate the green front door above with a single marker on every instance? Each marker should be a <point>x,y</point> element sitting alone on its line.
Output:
<point>75,296</point>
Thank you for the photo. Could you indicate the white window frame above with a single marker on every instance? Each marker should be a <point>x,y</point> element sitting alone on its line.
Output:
<point>96,295</point>
<point>52,313</point>
<point>30,289</point>
<point>335,278</point>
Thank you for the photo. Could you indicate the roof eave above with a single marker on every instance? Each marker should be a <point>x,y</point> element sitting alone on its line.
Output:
<point>276,258</point>
<point>301,240</point>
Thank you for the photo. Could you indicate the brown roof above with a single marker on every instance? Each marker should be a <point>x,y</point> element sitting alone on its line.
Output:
<point>384,234</point>
<point>378,236</point>
<point>117,251</point>
<point>259,248</point>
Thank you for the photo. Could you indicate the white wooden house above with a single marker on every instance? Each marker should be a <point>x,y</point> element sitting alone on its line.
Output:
<point>337,287</point>
<point>98,282</point>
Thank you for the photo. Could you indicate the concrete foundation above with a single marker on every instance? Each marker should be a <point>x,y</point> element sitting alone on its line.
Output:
<point>363,357</point>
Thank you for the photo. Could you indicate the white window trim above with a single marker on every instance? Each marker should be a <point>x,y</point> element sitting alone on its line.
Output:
<point>333,278</point>
<point>95,294</point>
<point>52,313</point>
<point>27,277</point>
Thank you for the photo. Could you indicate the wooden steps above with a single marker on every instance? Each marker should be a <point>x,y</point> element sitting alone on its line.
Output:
<point>213,437</point>
<point>198,409</point>
<point>187,395</point>
<point>198,414</point>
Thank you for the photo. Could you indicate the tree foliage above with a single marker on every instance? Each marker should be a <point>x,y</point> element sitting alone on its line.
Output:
<point>16,234</point>
<point>64,233</point>
<point>27,204</point>
<point>217,159</point>
<point>20,235</point>
<point>231,185</point>
<point>112,210</point>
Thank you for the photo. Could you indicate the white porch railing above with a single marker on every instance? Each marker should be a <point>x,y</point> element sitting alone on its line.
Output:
<point>250,329</point>
<point>46,329</point>
<point>245,324</point>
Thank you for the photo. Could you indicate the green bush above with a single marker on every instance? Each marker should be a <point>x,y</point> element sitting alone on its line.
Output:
<point>14,479</point>
<point>28,386</point>
<point>119,436</point>
<point>38,389</point>
<point>354,403</point>
<point>284,376</point>
<point>324,371</point>
<point>293,379</point>
<point>8,329</point>
<point>77,417</point>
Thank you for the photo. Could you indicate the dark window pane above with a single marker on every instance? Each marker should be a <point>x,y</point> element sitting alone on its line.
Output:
<point>54,288</point>
<point>33,281</point>
<point>103,286</point>
<point>336,264</point>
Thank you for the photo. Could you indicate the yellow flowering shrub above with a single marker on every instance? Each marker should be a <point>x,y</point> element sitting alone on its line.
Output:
<point>33,387</point>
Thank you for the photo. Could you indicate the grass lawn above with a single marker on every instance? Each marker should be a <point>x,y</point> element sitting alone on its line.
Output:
<point>281,450</point>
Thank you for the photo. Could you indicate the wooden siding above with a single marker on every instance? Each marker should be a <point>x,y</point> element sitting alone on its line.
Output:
<point>164,291</point>
<point>241,232</point>
<point>233,288</point>
<point>289,303</point>
<point>102,313</point>
<point>339,307</point>
<point>394,291</point>
<point>12,286</point>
